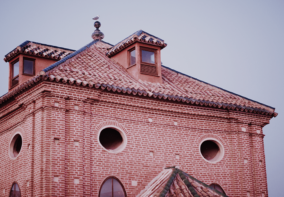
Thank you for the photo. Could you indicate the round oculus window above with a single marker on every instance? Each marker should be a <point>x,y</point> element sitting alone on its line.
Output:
<point>211,150</point>
<point>15,146</point>
<point>112,139</point>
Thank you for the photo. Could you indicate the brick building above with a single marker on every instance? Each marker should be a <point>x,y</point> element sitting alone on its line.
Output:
<point>111,120</point>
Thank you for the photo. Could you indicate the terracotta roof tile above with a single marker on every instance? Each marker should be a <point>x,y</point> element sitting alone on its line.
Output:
<point>39,49</point>
<point>90,66</point>
<point>174,182</point>
<point>139,36</point>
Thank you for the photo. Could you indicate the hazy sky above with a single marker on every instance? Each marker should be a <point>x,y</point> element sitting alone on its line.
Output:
<point>236,45</point>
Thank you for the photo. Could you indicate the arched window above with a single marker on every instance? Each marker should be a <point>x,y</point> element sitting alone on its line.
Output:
<point>15,191</point>
<point>217,187</point>
<point>112,187</point>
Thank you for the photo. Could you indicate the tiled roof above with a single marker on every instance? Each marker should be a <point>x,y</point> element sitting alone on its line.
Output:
<point>174,182</point>
<point>139,36</point>
<point>89,66</point>
<point>38,49</point>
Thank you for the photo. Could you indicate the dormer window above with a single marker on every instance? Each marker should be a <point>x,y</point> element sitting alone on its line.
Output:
<point>15,73</point>
<point>132,57</point>
<point>29,66</point>
<point>140,55</point>
<point>148,61</point>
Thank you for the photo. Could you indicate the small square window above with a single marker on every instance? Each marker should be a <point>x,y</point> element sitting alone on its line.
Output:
<point>148,57</point>
<point>28,67</point>
<point>132,57</point>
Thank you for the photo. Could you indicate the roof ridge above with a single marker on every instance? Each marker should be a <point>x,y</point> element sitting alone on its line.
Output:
<point>169,183</point>
<point>187,183</point>
<point>127,37</point>
<point>182,173</point>
<point>122,69</point>
<point>21,45</point>
<point>106,42</point>
<point>102,55</point>
<point>52,46</point>
<point>138,33</point>
<point>183,176</point>
<point>142,31</point>
<point>69,56</point>
<point>28,41</point>
<point>217,87</point>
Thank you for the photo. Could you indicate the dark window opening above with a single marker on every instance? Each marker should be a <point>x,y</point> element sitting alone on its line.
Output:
<point>209,150</point>
<point>16,145</point>
<point>110,139</point>
<point>112,188</point>
<point>29,65</point>
<point>132,57</point>
<point>217,187</point>
<point>15,191</point>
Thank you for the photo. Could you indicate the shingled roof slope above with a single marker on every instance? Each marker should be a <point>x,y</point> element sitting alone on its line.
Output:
<point>89,66</point>
<point>198,89</point>
<point>39,49</point>
<point>174,182</point>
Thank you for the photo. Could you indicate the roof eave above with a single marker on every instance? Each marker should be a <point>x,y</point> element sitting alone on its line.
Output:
<point>273,108</point>
<point>135,92</point>
<point>20,50</point>
<point>127,44</point>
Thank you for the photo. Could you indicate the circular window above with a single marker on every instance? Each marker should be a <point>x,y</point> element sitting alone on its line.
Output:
<point>211,150</point>
<point>16,145</point>
<point>112,139</point>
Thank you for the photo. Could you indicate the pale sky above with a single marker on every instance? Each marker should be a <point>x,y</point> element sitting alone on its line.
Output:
<point>236,45</point>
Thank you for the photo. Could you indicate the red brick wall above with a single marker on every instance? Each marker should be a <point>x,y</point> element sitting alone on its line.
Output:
<point>41,122</point>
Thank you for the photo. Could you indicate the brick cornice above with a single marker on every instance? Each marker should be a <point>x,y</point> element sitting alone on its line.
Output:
<point>121,90</point>
<point>141,106</point>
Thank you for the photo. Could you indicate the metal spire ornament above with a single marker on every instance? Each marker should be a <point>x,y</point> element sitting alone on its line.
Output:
<point>97,35</point>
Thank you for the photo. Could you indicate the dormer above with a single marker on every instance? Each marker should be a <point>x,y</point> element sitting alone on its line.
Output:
<point>140,55</point>
<point>29,58</point>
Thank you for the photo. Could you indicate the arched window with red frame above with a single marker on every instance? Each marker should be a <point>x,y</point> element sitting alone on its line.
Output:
<point>15,191</point>
<point>112,187</point>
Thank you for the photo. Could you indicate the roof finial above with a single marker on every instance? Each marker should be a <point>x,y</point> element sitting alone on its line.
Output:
<point>97,35</point>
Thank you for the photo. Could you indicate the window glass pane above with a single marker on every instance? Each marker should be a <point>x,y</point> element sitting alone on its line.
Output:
<point>217,187</point>
<point>106,190</point>
<point>117,189</point>
<point>28,67</point>
<point>15,191</point>
<point>148,57</point>
<point>132,57</point>
<point>15,69</point>
<point>17,187</point>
